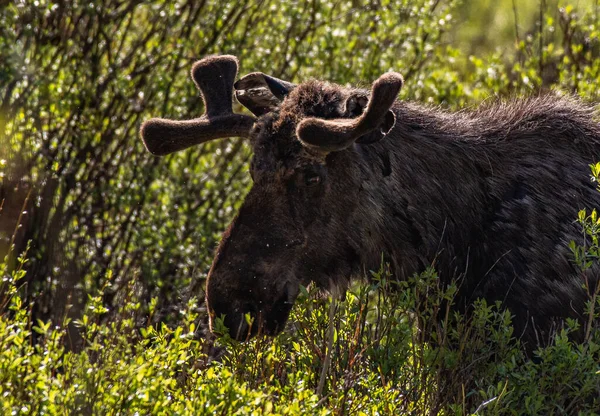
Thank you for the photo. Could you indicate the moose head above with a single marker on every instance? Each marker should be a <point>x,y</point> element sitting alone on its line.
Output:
<point>305,217</point>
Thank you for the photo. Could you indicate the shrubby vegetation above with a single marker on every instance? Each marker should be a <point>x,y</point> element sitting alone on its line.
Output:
<point>360,355</point>
<point>105,248</point>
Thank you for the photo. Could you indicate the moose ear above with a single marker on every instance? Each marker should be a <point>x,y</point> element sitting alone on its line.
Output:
<point>356,104</point>
<point>354,107</point>
<point>384,128</point>
<point>261,93</point>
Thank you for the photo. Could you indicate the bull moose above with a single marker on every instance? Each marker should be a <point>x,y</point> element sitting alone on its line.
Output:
<point>342,176</point>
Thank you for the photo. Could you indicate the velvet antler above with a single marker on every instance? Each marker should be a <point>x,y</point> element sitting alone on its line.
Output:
<point>214,78</point>
<point>332,135</point>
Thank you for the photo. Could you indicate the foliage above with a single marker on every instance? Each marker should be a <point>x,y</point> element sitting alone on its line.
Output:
<point>76,81</point>
<point>380,361</point>
<point>105,248</point>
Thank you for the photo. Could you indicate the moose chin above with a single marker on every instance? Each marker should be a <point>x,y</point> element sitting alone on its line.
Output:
<point>342,175</point>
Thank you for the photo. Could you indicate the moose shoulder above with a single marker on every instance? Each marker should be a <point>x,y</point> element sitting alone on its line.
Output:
<point>343,175</point>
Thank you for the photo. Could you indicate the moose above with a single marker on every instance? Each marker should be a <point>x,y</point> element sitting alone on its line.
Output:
<point>342,176</point>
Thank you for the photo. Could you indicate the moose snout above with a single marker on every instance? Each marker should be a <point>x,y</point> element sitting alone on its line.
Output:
<point>241,322</point>
<point>247,316</point>
<point>239,317</point>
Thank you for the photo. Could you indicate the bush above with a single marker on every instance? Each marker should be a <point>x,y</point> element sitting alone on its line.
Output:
<point>76,81</point>
<point>105,247</point>
<point>379,360</point>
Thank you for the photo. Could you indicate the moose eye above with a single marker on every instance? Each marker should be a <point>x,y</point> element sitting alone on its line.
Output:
<point>310,176</point>
<point>312,179</point>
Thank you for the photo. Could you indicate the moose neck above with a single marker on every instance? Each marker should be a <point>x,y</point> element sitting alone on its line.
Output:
<point>422,197</point>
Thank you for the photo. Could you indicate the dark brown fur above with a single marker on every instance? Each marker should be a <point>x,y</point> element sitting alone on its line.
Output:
<point>489,197</point>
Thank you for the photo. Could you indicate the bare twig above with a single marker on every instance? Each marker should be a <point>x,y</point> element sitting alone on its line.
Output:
<point>516,15</point>
<point>330,334</point>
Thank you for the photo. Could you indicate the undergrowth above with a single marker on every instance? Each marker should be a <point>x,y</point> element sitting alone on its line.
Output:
<point>114,243</point>
<point>384,352</point>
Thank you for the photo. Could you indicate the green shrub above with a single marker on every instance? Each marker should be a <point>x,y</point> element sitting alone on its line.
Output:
<point>105,248</point>
<point>380,361</point>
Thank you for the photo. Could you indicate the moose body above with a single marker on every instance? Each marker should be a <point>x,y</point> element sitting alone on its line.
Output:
<point>341,176</point>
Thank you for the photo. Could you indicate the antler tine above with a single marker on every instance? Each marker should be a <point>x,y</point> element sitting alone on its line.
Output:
<point>214,77</point>
<point>332,135</point>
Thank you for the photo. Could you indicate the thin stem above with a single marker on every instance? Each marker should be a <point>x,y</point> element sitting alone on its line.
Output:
<point>330,333</point>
